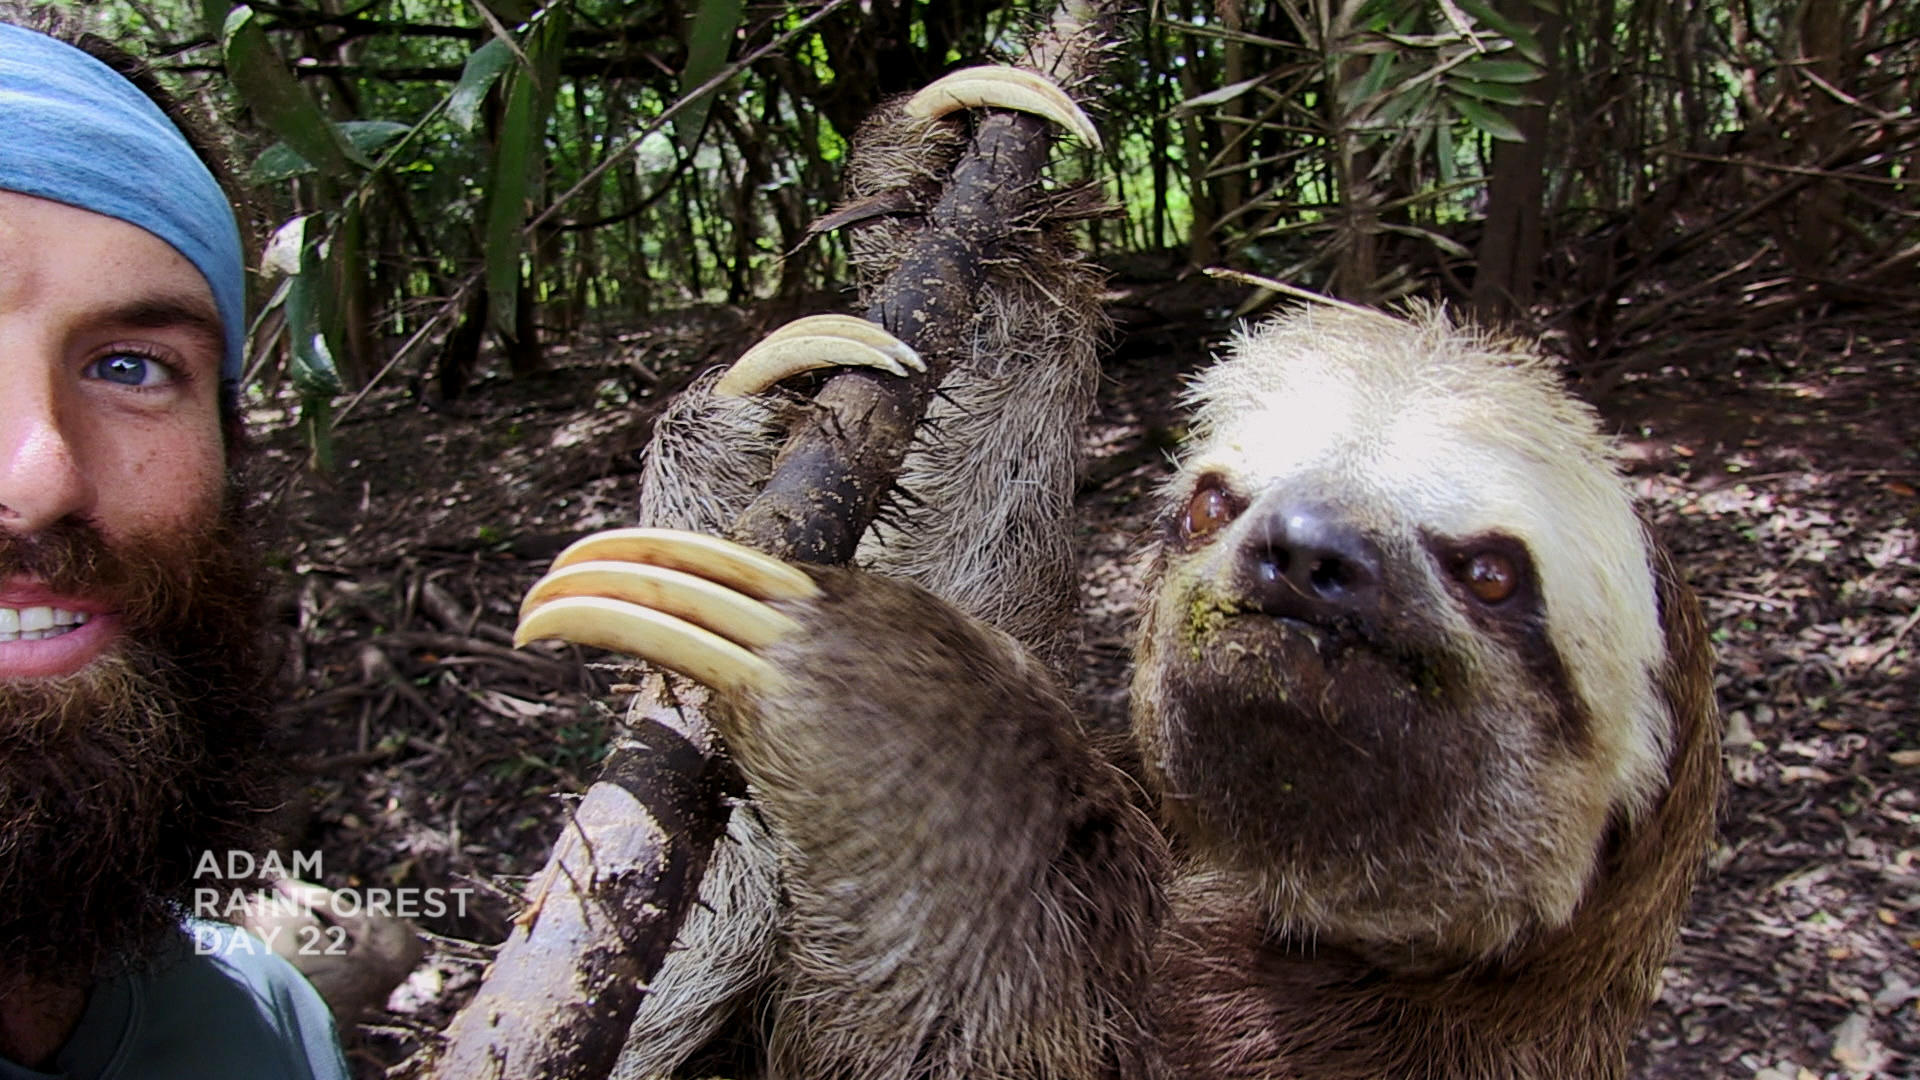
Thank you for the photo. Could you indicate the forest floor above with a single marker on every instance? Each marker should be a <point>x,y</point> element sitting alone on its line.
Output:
<point>1783,475</point>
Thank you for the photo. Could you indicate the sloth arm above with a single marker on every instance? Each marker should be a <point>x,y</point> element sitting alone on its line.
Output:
<point>971,884</point>
<point>970,881</point>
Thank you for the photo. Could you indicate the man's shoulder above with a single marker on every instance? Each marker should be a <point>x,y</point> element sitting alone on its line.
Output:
<point>219,1003</point>
<point>216,950</point>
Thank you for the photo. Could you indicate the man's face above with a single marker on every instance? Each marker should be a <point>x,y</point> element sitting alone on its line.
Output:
<point>131,704</point>
<point>109,367</point>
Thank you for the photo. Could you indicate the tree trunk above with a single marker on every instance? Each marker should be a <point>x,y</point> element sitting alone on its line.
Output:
<point>1515,237</point>
<point>1821,26</point>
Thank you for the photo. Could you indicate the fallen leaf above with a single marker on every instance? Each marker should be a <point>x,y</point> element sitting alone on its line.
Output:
<point>1854,1046</point>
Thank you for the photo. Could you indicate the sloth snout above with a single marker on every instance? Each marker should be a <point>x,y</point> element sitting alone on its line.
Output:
<point>1308,561</point>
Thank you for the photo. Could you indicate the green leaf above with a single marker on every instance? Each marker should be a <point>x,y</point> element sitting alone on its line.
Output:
<point>281,162</point>
<point>709,40</point>
<point>518,154</point>
<point>550,47</point>
<point>484,66</point>
<point>1485,119</point>
<point>276,163</point>
<point>278,99</point>
<point>1397,105</point>
<point>1383,70</point>
<point>1498,71</point>
<point>1498,93</point>
<point>1380,14</point>
<point>507,201</point>
<point>1221,96</point>
<point>312,367</point>
<point>1523,38</point>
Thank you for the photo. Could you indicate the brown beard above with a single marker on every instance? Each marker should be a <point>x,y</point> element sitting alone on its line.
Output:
<point>115,778</point>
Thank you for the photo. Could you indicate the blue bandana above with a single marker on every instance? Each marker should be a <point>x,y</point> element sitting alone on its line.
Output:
<point>74,131</point>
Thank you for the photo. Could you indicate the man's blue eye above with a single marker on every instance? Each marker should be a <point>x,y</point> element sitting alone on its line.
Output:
<point>128,369</point>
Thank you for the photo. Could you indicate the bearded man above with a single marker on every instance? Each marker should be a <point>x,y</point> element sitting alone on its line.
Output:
<point>132,678</point>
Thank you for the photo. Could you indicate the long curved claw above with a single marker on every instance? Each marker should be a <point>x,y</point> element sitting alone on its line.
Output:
<point>695,604</point>
<point>642,632</point>
<point>817,341</point>
<point>853,328</point>
<point>733,615</point>
<point>742,569</point>
<point>1001,86</point>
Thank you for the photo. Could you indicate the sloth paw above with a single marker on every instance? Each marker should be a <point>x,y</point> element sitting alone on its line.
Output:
<point>695,604</point>
<point>999,86</point>
<point>817,341</point>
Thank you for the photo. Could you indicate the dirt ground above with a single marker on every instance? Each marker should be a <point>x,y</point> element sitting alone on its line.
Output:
<point>1784,476</point>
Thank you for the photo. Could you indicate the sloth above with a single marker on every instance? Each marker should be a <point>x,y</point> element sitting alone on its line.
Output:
<point>1421,710</point>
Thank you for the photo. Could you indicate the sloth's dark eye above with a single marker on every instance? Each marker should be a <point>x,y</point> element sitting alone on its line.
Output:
<point>1492,576</point>
<point>1209,510</point>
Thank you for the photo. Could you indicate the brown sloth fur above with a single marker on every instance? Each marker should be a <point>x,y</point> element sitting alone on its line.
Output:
<point>1425,715</point>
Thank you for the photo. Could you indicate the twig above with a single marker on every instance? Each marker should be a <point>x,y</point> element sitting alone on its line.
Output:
<point>1241,277</point>
<point>1830,474</point>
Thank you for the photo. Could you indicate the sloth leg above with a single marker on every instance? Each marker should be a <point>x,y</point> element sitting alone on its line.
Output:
<point>983,515</point>
<point>971,887</point>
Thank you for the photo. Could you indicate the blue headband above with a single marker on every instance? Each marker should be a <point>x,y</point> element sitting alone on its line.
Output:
<point>74,131</point>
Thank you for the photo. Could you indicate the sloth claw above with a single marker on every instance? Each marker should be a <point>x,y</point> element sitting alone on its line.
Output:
<point>698,605</point>
<point>1001,86</point>
<point>817,341</point>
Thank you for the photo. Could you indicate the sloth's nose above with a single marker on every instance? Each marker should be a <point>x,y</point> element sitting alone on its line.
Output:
<point>1306,560</point>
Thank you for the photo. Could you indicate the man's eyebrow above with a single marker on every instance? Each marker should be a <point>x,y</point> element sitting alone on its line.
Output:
<point>193,314</point>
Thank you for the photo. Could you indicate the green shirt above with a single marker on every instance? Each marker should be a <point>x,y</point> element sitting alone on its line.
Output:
<point>218,1006</point>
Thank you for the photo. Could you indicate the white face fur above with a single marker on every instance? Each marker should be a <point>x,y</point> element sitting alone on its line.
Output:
<point>1425,436</point>
<point>1430,428</point>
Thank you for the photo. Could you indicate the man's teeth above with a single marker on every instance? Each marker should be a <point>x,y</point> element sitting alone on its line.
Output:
<point>34,623</point>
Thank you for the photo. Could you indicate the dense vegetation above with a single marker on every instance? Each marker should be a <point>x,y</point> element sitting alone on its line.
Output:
<point>432,170</point>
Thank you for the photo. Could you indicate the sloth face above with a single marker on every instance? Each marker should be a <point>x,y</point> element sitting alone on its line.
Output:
<point>1399,664</point>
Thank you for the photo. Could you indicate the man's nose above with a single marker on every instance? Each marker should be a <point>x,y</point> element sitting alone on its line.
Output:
<point>41,477</point>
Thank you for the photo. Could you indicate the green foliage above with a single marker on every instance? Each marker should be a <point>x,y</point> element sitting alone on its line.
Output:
<point>1348,127</point>
<point>282,162</point>
<point>278,99</point>
<point>518,157</point>
<point>433,149</point>
<point>709,39</point>
<point>483,68</point>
